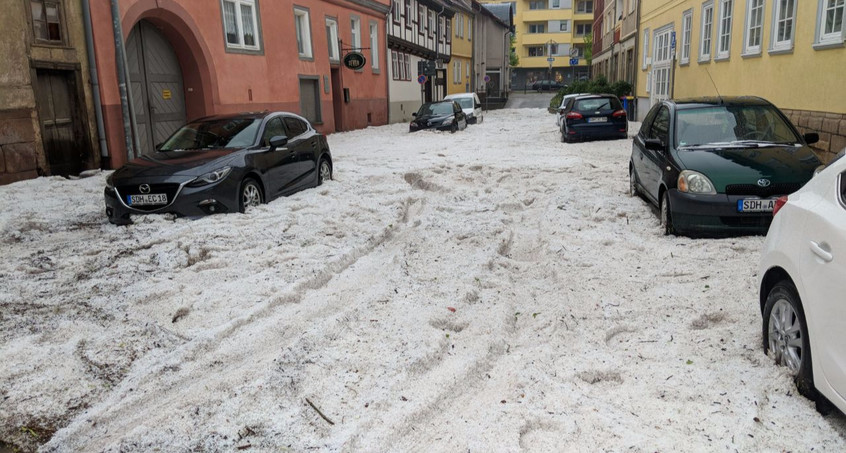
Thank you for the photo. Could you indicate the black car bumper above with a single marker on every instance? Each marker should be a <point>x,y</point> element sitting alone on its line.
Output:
<point>184,201</point>
<point>695,214</point>
<point>584,131</point>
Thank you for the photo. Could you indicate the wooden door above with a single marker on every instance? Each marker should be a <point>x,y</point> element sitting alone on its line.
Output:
<point>60,122</point>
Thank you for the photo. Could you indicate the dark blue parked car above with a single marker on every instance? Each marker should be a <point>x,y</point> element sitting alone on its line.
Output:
<point>593,116</point>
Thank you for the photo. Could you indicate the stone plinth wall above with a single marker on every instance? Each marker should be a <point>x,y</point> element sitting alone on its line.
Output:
<point>830,126</point>
<point>18,151</point>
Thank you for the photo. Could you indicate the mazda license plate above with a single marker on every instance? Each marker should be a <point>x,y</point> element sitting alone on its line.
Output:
<point>755,205</point>
<point>146,199</point>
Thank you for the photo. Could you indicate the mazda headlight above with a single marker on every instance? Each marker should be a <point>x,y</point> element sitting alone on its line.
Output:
<point>695,182</point>
<point>211,177</point>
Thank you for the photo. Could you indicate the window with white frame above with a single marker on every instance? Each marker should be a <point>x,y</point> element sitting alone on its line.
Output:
<point>537,51</point>
<point>467,72</point>
<point>240,24</point>
<point>421,21</point>
<point>332,38</point>
<point>784,18</point>
<point>724,34</point>
<point>632,4</point>
<point>537,5</point>
<point>456,72</point>
<point>754,26</point>
<point>374,45</point>
<point>394,65</point>
<point>469,29</point>
<point>707,31</point>
<point>303,30</point>
<point>584,7</point>
<point>400,66</point>
<point>662,60</point>
<point>564,26</point>
<point>556,4</point>
<point>396,12</point>
<point>431,23</point>
<point>645,63</point>
<point>687,23</point>
<point>355,32</point>
<point>406,66</point>
<point>830,21</point>
<point>407,13</point>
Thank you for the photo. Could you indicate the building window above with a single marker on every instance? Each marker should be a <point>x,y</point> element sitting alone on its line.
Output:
<point>394,65</point>
<point>406,66</point>
<point>396,12</point>
<point>431,24</point>
<point>421,12</point>
<point>303,30</point>
<point>374,45</point>
<point>536,51</point>
<point>583,29</point>
<point>564,26</point>
<point>707,31</point>
<point>645,62</point>
<point>537,5</point>
<point>456,72</point>
<point>579,52</point>
<point>687,21</point>
<point>355,32</point>
<point>556,4</point>
<point>46,21</point>
<point>784,17</point>
<point>724,35</point>
<point>467,66</point>
<point>400,66</point>
<point>240,24</point>
<point>830,21</point>
<point>469,29</point>
<point>662,60</point>
<point>332,38</point>
<point>537,28</point>
<point>584,7</point>
<point>754,26</point>
<point>407,13</point>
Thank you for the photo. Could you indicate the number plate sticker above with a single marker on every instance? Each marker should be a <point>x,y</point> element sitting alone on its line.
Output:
<point>755,205</point>
<point>146,199</point>
<point>598,119</point>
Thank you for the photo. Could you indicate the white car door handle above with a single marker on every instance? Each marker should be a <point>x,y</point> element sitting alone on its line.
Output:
<point>821,252</point>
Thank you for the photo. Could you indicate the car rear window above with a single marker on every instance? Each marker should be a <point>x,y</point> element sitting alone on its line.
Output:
<point>608,103</point>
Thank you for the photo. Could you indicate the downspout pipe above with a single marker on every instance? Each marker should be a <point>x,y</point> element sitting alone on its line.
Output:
<point>123,87</point>
<point>388,59</point>
<point>95,79</point>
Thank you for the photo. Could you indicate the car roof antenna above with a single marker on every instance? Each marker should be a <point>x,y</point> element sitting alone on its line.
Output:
<point>715,85</point>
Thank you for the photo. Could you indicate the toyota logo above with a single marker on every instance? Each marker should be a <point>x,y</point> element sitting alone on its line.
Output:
<point>764,182</point>
<point>145,188</point>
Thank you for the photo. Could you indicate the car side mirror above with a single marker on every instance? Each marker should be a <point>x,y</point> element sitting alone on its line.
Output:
<point>811,137</point>
<point>414,115</point>
<point>278,141</point>
<point>159,146</point>
<point>655,144</point>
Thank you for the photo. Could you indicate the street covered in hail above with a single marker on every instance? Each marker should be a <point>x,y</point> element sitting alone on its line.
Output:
<point>488,290</point>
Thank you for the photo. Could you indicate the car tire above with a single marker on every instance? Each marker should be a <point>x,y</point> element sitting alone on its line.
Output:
<point>324,171</point>
<point>453,128</point>
<point>783,313</point>
<point>666,214</point>
<point>633,190</point>
<point>250,195</point>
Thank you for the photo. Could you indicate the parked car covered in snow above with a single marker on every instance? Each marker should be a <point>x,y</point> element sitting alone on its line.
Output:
<point>802,287</point>
<point>219,164</point>
<point>443,116</point>
<point>593,116</point>
<point>718,165</point>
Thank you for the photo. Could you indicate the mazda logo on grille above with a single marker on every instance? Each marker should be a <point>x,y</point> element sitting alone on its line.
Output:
<point>145,188</point>
<point>764,182</point>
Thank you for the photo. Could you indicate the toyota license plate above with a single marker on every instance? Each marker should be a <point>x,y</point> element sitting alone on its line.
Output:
<point>146,199</point>
<point>755,205</point>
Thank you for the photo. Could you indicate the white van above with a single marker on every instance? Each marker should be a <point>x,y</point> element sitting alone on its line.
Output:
<point>471,106</point>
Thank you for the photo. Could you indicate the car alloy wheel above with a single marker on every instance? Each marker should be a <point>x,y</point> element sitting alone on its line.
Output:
<point>666,215</point>
<point>324,171</point>
<point>785,335</point>
<point>250,194</point>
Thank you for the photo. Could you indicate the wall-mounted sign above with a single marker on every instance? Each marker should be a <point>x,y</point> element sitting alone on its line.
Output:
<point>354,60</point>
<point>166,94</point>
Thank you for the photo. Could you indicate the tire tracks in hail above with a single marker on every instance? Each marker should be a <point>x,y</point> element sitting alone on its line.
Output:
<point>179,373</point>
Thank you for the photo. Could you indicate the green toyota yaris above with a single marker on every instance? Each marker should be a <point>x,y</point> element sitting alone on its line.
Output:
<point>716,166</point>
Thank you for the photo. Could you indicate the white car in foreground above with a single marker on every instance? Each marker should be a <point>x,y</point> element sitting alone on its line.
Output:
<point>802,281</point>
<point>470,105</point>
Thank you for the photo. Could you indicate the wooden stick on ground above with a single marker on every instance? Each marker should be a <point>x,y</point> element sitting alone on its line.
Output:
<point>318,411</point>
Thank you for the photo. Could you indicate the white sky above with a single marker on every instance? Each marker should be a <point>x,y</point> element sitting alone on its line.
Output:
<point>576,326</point>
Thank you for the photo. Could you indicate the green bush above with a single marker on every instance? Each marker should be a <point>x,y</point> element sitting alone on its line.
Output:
<point>594,86</point>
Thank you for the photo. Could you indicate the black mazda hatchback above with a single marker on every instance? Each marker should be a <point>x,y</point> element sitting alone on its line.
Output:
<point>220,164</point>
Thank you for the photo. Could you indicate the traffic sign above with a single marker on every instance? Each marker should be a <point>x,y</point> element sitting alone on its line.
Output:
<point>487,78</point>
<point>574,62</point>
<point>421,79</point>
<point>550,59</point>
<point>574,52</point>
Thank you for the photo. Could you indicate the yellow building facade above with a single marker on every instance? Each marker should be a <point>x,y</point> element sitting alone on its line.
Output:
<point>790,52</point>
<point>549,34</point>
<point>459,76</point>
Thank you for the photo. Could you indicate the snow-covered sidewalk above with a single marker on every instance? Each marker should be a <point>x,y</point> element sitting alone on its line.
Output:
<point>489,290</point>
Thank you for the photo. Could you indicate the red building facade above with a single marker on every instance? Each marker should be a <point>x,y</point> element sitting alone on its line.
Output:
<point>195,58</point>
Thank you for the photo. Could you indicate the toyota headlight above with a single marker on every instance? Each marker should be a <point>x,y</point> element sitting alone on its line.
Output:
<point>695,182</point>
<point>211,177</point>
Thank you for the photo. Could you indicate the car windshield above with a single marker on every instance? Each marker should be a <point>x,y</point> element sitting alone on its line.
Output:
<point>732,124</point>
<point>440,108</point>
<point>465,103</point>
<point>214,133</point>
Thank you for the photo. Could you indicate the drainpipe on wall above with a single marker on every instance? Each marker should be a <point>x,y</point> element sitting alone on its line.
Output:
<point>123,86</point>
<point>95,79</point>
<point>387,59</point>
